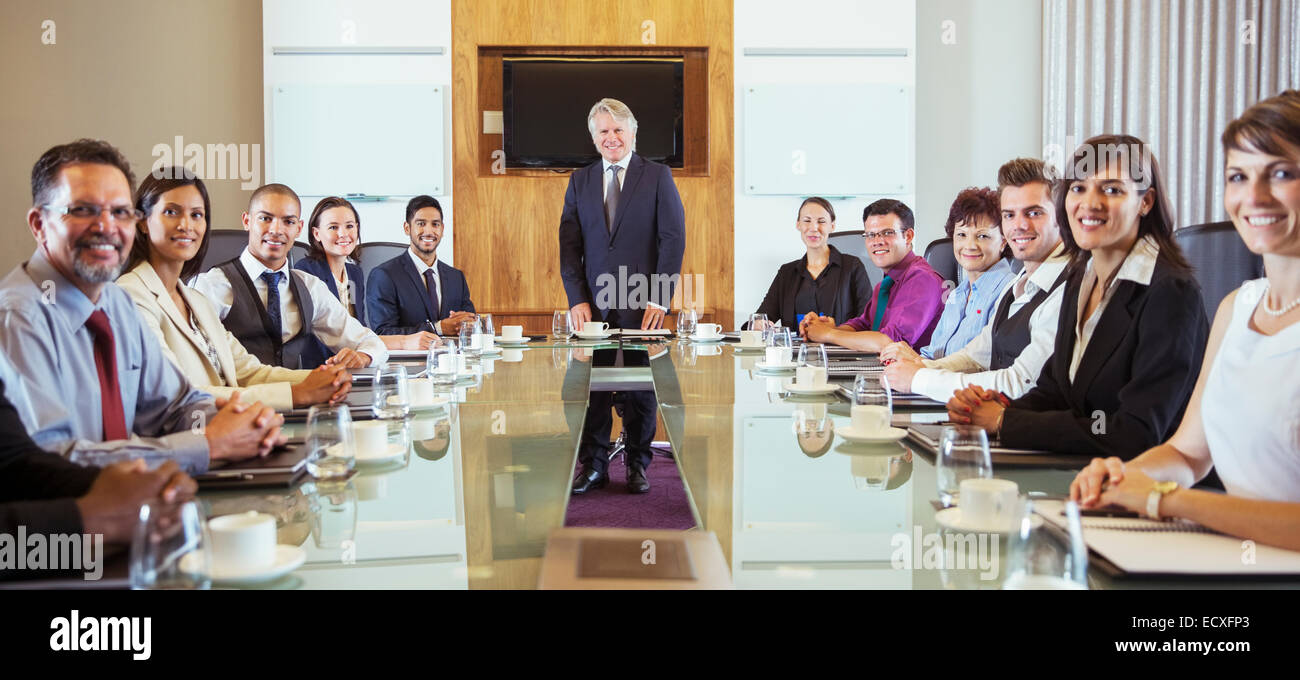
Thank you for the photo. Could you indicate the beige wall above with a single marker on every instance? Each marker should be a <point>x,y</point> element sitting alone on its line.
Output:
<point>134,72</point>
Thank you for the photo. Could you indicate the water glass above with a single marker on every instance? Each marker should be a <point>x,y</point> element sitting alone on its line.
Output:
<point>333,513</point>
<point>773,331</point>
<point>813,355</point>
<point>1046,556</point>
<point>441,364</point>
<point>686,320</point>
<point>758,322</point>
<point>873,390</point>
<point>331,452</point>
<point>561,329</point>
<point>389,392</point>
<point>485,322</point>
<point>963,454</point>
<point>469,338</point>
<point>170,548</point>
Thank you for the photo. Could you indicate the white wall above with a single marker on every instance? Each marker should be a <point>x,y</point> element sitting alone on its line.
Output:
<point>978,99</point>
<point>765,236</point>
<point>390,23</point>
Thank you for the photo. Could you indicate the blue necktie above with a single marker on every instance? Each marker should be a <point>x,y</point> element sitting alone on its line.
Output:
<point>433,293</point>
<point>882,301</point>
<point>272,280</point>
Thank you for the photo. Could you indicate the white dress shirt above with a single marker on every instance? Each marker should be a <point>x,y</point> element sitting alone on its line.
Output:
<point>622,177</point>
<point>970,366</point>
<point>1138,267</point>
<point>331,322</point>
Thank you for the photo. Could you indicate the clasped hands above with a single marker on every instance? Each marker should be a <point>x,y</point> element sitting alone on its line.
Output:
<point>977,406</point>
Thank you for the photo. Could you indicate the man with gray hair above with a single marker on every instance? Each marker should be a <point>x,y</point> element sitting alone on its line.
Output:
<point>623,224</point>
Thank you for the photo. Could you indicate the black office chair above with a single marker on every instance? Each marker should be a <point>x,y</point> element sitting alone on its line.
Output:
<point>1220,260</point>
<point>223,245</point>
<point>375,253</point>
<point>298,251</point>
<point>940,256</point>
<point>851,243</point>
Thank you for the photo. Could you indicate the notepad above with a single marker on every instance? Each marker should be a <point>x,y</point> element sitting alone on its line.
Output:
<point>1149,547</point>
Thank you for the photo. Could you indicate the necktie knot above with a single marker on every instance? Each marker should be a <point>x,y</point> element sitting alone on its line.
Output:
<point>98,324</point>
<point>272,279</point>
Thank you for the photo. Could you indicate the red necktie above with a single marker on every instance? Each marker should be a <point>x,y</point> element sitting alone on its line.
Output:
<point>110,393</point>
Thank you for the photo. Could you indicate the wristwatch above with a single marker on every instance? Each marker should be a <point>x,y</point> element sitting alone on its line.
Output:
<point>1158,490</point>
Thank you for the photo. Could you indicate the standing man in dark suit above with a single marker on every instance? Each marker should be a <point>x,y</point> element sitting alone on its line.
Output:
<point>623,226</point>
<point>414,291</point>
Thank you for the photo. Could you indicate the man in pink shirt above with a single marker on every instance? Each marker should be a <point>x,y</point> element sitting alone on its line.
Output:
<point>905,306</point>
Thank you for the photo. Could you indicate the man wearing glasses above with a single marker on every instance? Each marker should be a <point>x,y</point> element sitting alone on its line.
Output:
<point>283,316</point>
<point>905,305</point>
<point>89,380</point>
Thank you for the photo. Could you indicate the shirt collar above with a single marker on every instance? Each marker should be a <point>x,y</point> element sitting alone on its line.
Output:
<point>1140,264</point>
<point>897,271</point>
<point>1045,276</point>
<point>68,298</point>
<point>998,271</point>
<point>254,267</point>
<point>622,164</point>
<point>420,266</point>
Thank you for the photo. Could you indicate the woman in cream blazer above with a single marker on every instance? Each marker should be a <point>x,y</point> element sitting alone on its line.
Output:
<point>169,244</point>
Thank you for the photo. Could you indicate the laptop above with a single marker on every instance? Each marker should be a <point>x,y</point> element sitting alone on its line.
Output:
<point>285,466</point>
<point>908,400</point>
<point>927,437</point>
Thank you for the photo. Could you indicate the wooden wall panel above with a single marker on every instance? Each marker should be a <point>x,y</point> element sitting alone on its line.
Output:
<point>507,225</point>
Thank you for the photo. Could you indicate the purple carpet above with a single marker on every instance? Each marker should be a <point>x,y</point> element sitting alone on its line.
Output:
<point>665,507</point>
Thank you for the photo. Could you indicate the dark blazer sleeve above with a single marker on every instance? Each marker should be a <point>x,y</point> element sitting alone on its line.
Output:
<point>1172,330</point>
<point>672,233</point>
<point>38,489</point>
<point>573,271</point>
<point>358,280</point>
<point>382,304</point>
<point>859,289</point>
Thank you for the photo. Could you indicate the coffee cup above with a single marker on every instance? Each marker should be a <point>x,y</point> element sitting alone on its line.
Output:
<point>778,356</point>
<point>818,376</point>
<point>242,543</point>
<point>512,356</point>
<point>989,502</point>
<point>595,328</point>
<point>803,376</point>
<point>512,332</point>
<point>708,330</point>
<point>420,391</point>
<point>486,342</point>
<point>869,419</point>
<point>371,437</point>
<point>751,338</point>
<point>708,350</point>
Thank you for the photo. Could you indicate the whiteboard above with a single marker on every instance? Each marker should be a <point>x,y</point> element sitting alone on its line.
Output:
<point>381,140</point>
<point>851,139</point>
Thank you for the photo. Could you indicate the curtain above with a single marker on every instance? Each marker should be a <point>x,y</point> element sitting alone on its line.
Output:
<point>1173,73</point>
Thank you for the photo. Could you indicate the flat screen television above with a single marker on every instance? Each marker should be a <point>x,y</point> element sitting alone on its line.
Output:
<point>546,101</point>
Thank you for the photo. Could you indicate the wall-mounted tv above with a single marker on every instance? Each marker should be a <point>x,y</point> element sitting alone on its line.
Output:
<point>546,101</point>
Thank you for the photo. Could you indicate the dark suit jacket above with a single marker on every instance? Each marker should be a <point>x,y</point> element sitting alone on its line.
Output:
<point>648,238</point>
<point>398,302</point>
<point>38,489</point>
<point>321,270</point>
<point>1135,377</point>
<point>843,294</point>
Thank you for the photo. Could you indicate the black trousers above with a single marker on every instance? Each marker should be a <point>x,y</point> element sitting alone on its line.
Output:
<point>639,407</point>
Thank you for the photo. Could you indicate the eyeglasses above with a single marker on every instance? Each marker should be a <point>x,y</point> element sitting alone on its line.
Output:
<point>89,211</point>
<point>886,234</point>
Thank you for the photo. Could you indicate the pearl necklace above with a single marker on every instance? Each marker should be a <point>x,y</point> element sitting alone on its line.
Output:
<point>1278,312</point>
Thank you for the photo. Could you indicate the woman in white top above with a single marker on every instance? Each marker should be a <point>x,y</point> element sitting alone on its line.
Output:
<point>1244,416</point>
<point>169,245</point>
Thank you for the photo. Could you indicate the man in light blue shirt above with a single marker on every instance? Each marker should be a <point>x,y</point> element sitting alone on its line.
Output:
<point>99,388</point>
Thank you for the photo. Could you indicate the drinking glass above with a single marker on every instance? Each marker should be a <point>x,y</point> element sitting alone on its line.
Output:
<point>758,322</point>
<point>469,340</point>
<point>561,329</point>
<point>441,365</point>
<point>778,337</point>
<point>389,392</point>
<point>686,320</point>
<point>813,354</point>
<point>1044,556</point>
<point>331,453</point>
<point>963,454</point>
<point>773,330</point>
<point>170,548</point>
<point>873,390</point>
<point>333,513</point>
<point>485,321</point>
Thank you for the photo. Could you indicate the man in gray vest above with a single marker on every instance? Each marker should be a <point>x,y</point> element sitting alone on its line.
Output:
<point>1010,351</point>
<point>284,316</point>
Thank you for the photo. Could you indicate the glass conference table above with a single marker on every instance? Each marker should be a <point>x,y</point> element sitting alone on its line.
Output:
<point>486,479</point>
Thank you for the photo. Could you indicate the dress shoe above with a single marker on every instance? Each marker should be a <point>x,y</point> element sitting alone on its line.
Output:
<point>588,480</point>
<point>636,481</point>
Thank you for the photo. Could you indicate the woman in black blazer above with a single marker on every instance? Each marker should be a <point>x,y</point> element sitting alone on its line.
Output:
<point>824,280</point>
<point>1132,329</point>
<point>333,234</point>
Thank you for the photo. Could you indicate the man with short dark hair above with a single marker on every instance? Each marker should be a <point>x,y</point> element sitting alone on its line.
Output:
<point>415,291</point>
<point>905,305</point>
<point>283,316</point>
<point>98,384</point>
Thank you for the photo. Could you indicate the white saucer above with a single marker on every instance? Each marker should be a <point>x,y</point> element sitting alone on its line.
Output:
<point>764,366</point>
<point>391,452</point>
<point>287,558</point>
<point>490,352</point>
<point>748,348</point>
<point>593,336</point>
<point>696,337</point>
<point>950,518</point>
<point>439,402</point>
<point>893,434</point>
<point>799,389</point>
<point>517,341</point>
